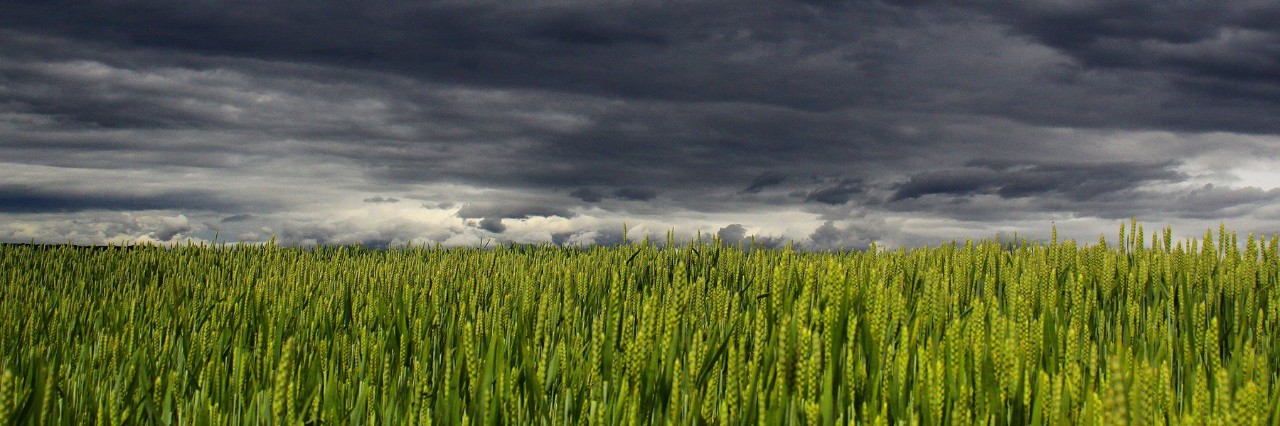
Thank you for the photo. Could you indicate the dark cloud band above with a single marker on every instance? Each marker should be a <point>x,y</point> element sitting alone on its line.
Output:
<point>567,115</point>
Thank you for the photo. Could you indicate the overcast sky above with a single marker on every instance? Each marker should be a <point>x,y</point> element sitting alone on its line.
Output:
<point>827,123</point>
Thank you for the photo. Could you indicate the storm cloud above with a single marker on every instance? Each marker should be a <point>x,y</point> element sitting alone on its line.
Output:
<point>830,124</point>
<point>28,199</point>
<point>836,194</point>
<point>377,199</point>
<point>493,224</point>
<point>764,180</point>
<point>1012,180</point>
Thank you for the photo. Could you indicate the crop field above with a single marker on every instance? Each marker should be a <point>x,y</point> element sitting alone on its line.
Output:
<point>1142,330</point>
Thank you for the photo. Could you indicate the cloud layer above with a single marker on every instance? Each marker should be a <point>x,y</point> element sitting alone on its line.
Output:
<point>830,124</point>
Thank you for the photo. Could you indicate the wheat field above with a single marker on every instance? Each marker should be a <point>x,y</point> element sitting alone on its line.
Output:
<point>1138,330</point>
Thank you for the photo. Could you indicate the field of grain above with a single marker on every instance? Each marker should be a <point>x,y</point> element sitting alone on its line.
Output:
<point>1141,330</point>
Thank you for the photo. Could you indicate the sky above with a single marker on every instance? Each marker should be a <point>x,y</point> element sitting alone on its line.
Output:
<point>827,124</point>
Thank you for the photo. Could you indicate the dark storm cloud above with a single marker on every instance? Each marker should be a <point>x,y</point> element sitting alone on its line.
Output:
<point>493,224</point>
<point>1209,201</point>
<point>980,111</point>
<point>1222,53</point>
<point>803,55</point>
<point>835,195</point>
<point>237,218</point>
<point>666,91</point>
<point>764,180</point>
<point>122,93</point>
<point>1083,182</point>
<point>591,195</point>
<point>600,47</point>
<point>378,199</point>
<point>1205,202</point>
<point>950,182</point>
<point>1232,40</point>
<point>635,194</point>
<point>625,150</point>
<point>1077,182</point>
<point>27,199</point>
<point>587,194</point>
<point>582,29</point>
